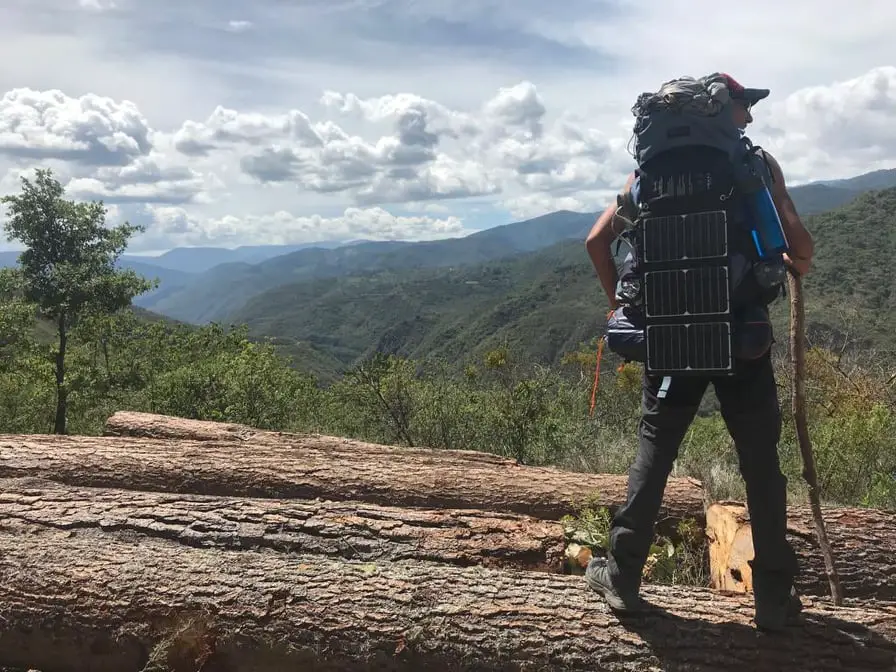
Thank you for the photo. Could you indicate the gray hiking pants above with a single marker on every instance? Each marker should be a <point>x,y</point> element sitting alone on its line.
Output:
<point>750,408</point>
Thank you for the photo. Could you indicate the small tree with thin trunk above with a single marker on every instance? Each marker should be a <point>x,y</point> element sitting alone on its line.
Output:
<point>68,267</point>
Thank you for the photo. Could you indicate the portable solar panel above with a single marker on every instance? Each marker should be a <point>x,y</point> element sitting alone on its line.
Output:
<point>687,294</point>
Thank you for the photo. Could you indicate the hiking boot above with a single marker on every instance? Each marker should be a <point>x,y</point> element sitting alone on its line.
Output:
<point>597,576</point>
<point>774,617</point>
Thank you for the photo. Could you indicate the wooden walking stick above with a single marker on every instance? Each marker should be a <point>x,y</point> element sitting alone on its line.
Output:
<point>798,363</point>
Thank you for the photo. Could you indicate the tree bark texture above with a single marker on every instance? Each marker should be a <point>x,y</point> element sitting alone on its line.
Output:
<point>349,530</point>
<point>83,599</point>
<point>863,541</point>
<point>309,468</point>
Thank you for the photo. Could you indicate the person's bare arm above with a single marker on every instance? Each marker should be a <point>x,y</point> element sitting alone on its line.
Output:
<point>802,247</point>
<point>598,245</point>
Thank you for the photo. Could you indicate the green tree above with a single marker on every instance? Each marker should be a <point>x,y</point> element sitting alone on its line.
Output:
<point>68,267</point>
<point>383,388</point>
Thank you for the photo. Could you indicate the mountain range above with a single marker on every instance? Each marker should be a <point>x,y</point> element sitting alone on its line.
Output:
<point>200,259</point>
<point>548,302</point>
<point>179,267</point>
<point>209,284</point>
<point>332,302</point>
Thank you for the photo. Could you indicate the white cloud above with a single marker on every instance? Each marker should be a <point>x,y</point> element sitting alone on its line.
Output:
<point>225,126</point>
<point>237,26</point>
<point>176,225</point>
<point>89,129</point>
<point>819,131</point>
<point>385,118</point>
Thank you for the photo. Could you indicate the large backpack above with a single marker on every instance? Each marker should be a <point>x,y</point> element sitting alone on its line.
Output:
<point>697,281</point>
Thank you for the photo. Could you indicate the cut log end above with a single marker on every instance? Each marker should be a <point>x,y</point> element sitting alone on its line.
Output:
<point>863,540</point>
<point>730,548</point>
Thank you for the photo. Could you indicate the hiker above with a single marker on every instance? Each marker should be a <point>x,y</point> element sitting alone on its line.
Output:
<point>685,166</point>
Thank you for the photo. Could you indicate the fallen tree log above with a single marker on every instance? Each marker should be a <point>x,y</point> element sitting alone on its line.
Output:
<point>155,426</point>
<point>863,541</point>
<point>349,530</point>
<point>83,599</point>
<point>306,470</point>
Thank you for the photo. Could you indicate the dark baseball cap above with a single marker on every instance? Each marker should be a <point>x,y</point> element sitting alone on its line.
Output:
<point>738,92</point>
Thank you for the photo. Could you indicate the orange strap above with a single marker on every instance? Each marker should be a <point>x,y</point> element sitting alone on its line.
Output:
<point>600,351</point>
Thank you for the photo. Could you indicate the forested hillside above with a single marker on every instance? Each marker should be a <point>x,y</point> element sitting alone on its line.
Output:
<point>216,294</point>
<point>545,303</point>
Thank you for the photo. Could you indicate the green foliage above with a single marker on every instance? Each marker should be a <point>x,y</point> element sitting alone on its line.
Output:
<point>68,266</point>
<point>680,559</point>
<point>590,526</point>
<point>708,453</point>
<point>851,407</point>
<point>377,394</point>
<point>677,559</point>
<point>16,318</point>
<point>26,372</point>
<point>243,383</point>
<point>67,270</point>
<point>497,403</point>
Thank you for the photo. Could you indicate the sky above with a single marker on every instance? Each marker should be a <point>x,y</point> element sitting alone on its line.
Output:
<point>225,123</point>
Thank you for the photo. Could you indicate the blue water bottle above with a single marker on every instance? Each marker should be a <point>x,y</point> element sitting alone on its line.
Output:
<point>768,234</point>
